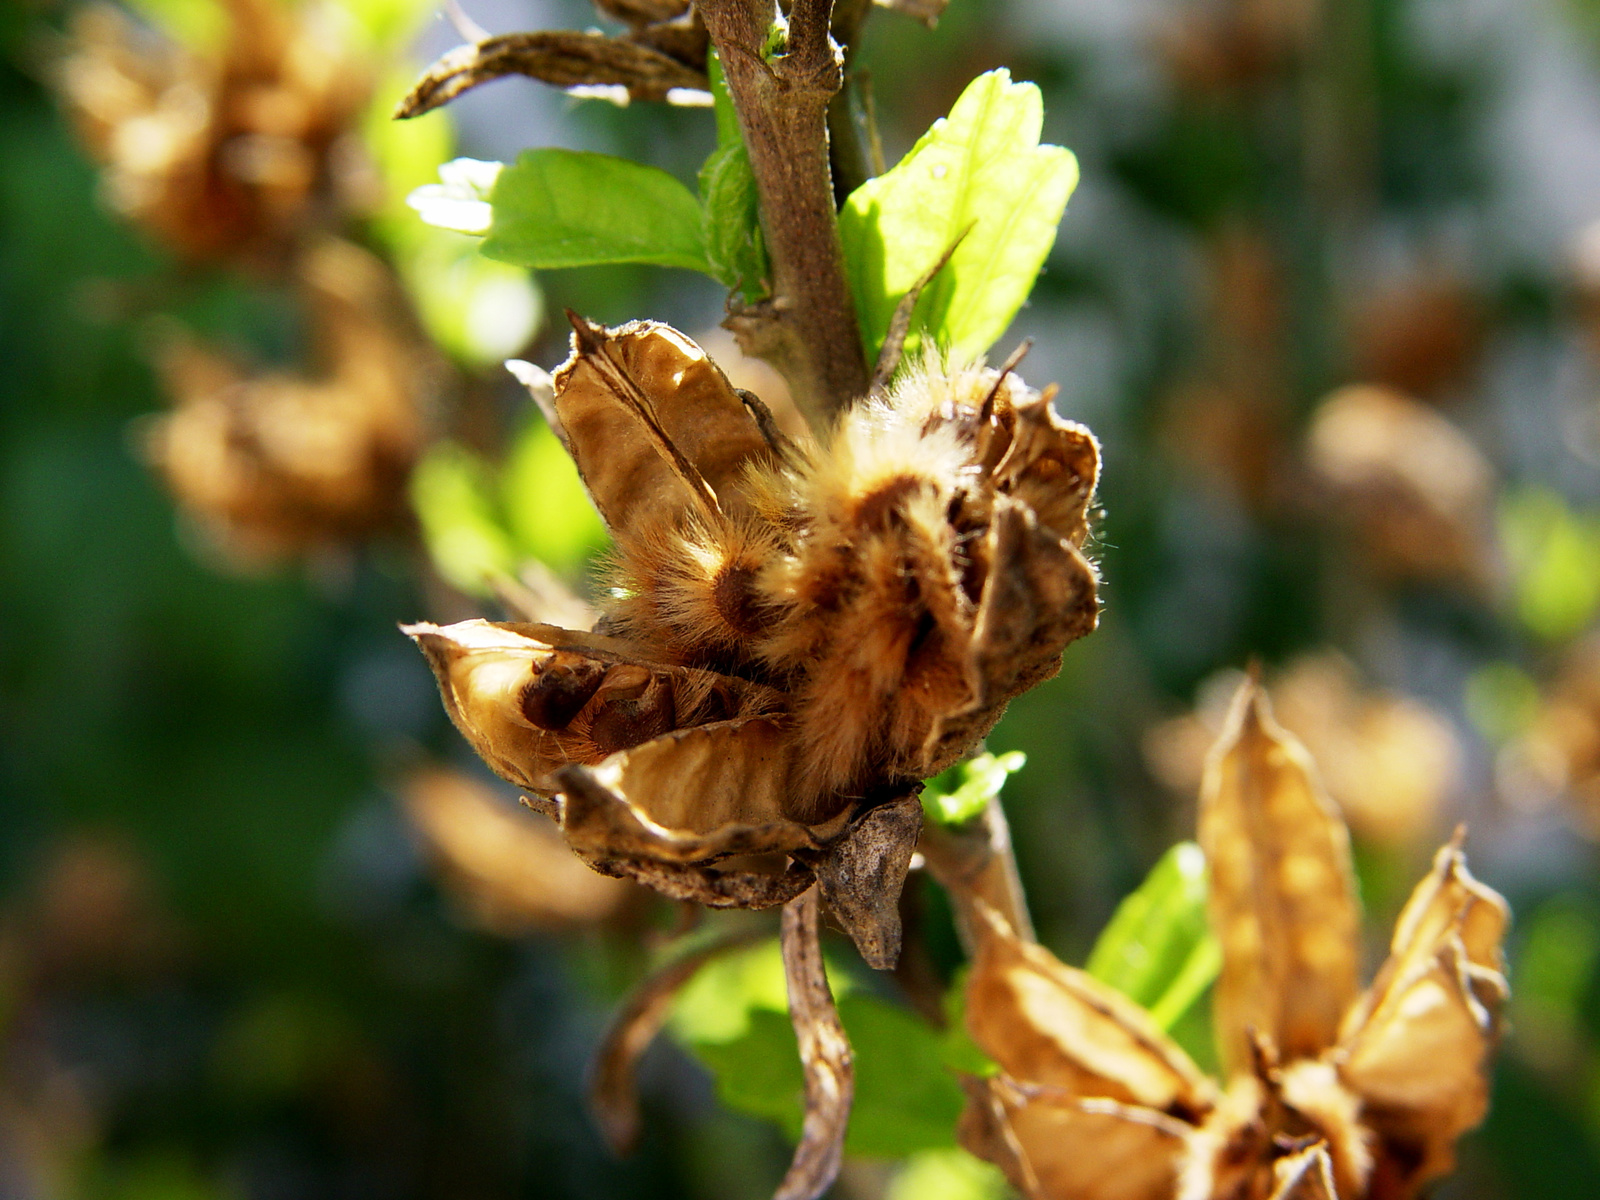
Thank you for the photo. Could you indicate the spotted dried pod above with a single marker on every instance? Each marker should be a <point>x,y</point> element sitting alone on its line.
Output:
<point>806,627</point>
<point>230,156</point>
<point>275,465</point>
<point>1093,1102</point>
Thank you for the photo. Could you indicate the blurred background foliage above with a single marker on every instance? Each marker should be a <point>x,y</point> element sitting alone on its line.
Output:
<point>1329,294</point>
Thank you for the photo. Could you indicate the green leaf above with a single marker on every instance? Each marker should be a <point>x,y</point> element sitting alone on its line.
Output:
<point>734,1019</point>
<point>734,246</point>
<point>1159,950</point>
<point>961,793</point>
<point>547,509</point>
<point>1555,562</point>
<point>947,1175</point>
<point>570,208</point>
<point>452,492</point>
<point>983,167</point>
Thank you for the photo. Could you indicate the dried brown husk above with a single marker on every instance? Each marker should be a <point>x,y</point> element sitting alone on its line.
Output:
<point>1282,897</point>
<point>509,868</point>
<point>1412,487</point>
<point>276,465</point>
<point>801,629</point>
<point>226,157</point>
<point>1559,753</point>
<point>1370,1108</point>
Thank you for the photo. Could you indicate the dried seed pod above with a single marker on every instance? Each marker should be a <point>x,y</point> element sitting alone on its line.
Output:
<point>1094,1103</point>
<point>1282,899</point>
<point>218,158</point>
<point>277,465</point>
<point>801,629</point>
<point>511,870</point>
<point>1414,489</point>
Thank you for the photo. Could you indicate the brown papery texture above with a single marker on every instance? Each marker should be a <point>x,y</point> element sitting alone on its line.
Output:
<point>1282,896</point>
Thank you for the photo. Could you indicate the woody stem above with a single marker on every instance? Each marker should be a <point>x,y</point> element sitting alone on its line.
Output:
<point>975,862</point>
<point>807,328</point>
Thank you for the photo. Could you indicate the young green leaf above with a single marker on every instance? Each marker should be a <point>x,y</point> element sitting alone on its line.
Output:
<point>979,170</point>
<point>737,254</point>
<point>960,794</point>
<point>734,1018</point>
<point>570,208</point>
<point>1158,949</point>
<point>734,248</point>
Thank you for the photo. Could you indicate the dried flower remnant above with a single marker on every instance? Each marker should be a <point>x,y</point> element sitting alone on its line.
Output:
<point>1388,761</point>
<point>229,157</point>
<point>1415,490</point>
<point>1327,1092</point>
<point>801,630</point>
<point>510,870</point>
<point>276,465</point>
<point>1560,750</point>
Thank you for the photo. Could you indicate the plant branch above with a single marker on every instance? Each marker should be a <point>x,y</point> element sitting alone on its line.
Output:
<point>975,861</point>
<point>824,1054</point>
<point>807,329</point>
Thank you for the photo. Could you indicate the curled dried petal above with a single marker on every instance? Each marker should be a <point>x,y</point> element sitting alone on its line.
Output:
<point>1053,1025</point>
<point>613,1088</point>
<point>561,58</point>
<point>824,1054</point>
<point>1282,895</point>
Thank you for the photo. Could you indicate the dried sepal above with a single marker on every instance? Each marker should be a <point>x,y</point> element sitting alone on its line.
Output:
<point>825,1056</point>
<point>561,58</point>
<point>613,1084</point>
<point>861,878</point>
<point>640,13</point>
<point>510,869</point>
<point>1056,1026</point>
<point>1282,896</point>
<point>1416,1047</point>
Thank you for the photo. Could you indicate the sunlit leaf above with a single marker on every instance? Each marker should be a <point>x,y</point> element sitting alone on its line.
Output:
<point>734,245</point>
<point>452,493</point>
<point>547,510</point>
<point>1555,561</point>
<point>569,208</point>
<point>480,310</point>
<point>946,1175</point>
<point>960,794</point>
<point>734,1018</point>
<point>1158,948</point>
<point>979,170</point>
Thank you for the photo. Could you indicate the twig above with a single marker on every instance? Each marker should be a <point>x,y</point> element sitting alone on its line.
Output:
<point>807,330</point>
<point>824,1053</point>
<point>976,862</point>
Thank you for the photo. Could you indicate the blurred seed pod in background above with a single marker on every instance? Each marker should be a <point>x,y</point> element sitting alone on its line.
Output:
<point>275,465</point>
